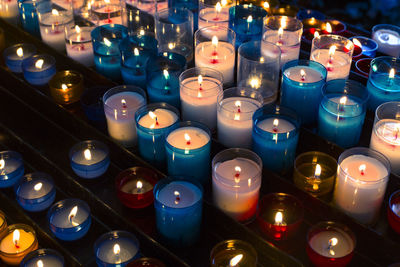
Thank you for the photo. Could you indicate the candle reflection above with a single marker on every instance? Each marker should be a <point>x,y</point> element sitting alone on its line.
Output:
<point>235,260</point>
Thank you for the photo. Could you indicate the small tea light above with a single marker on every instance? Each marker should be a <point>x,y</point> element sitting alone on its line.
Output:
<point>11,168</point>
<point>39,69</point>
<point>280,215</point>
<point>311,23</point>
<point>14,55</point>
<point>363,66</point>
<point>146,262</point>
<point>35,191</point>
<point>367,45</point>
<point>3,223</point>
<point>69,219</point>
<point>135,187</point>
<point>334,26</point>
<point>43,257</point>
<point>330,244</point>
<point>66,87</point>
<point>393,211</point>
<point>116,248</point>
<point>18,240</point>
<point>388,38</point>
<point>285,10</point>
<point>233,253</point>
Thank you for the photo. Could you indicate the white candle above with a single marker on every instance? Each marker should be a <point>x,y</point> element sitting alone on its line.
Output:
<point>79,45</point>
<point>9,11</point>
<point>158,119</point>
<point>337,63</point>
<point>188,138</point>
<point>148,6</point>
<point>112,12</point>
<point>388,42</point>
<point>274,125</point>
<point>214,16</point>
<point>385,138</point>
<point>288,42</point>
<point>303,74</point>
<point>360,187</point>
<point>332,244</point>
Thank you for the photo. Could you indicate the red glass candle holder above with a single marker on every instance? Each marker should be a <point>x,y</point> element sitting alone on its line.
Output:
<point>135,187</point>
<point>330,244</point>
<point>363,66</point>
<point>280,215</point>
<point>357,53</point>
<point>146,262</point>
<point>393,211</point>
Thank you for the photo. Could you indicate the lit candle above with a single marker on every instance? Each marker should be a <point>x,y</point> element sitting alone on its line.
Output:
<point>215,16</point>
<point>43,257</point>
<point>14,55</point>
<point>388,39</point>
<point>79,44</point>
<point>39,69</point>
<point>9,11</point>
<point>66,87</point>
<point>233,253</point>
<point>108,11</point>
<point>11,168</point>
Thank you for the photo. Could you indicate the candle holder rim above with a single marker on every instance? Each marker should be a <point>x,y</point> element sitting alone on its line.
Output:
<point>334,22</point>
<point>316,153</point>
<point>385,26</point>
<point>126,175</point>
<point>229,31</point>
<point>206,73</point>
<point>97,36</point>
<point>395,194</point>
<point>49,59</point>
<point>20,226</point>
<point>239,242</point>
<point>306,63</point>
<point>53,83</point>
<point>27,176</point>
<point>204,5</point>
<point>379,117</point>
<point>252,9</point>
<point>61,203</point>
<point>332,37</point>
<point>290,21</point>
<point>348,89</point>
<point>273,109</point>
<point>143,110</point>
<point>383,59</point>
<point>280,195</point>
<point>364,38</point>
<point>31,48</point>
<point>120,89</point>
<point>331,161</point>
<point>41,252</point>
<point>6,154</point>
<point>255,95</point>
<point>188,17</point>
<point>360,61</point>
<point>258,44</point>
<point>98,144</point>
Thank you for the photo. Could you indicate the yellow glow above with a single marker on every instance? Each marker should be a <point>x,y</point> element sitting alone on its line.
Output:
<point>136,51</point>
<point>278,217</point>
<point>20,52</point>
<point>2,163</point>
<point>187,137</point>
<point>343,100</point>
<point>250,19</point>
<point>73,212</point>
<point>139,185</point>
<point>238,169</point>
<point>16,235</point>
<point>38,186</point>
<point>316,34</point>
<point>64,86</point>
<point>152,115</point>
<point>328,27</point>
<point>39,263</point>
<point>123,102</point>
<point>55,12</point>
<point>171,46</point>
<point>255,83</point>
<point>238,104</point>
<point>224,2</point>
<point>235,260</point>
<point>332,50</point>
<point>317,170</point>
<point>218,7</point>
<point>356,42</point>
<point>333,241</point>
<point>266,5</point>
<point>276,122</point>
<point>116,249</point>
<point>362,168</point>
<point>214,41</point>
<point>200,79</point>
<point>39,64</point>
<point>391,73</point>
<point>87,154</point>
<point>141,32</point>
<point>262,60</point>
<point>283,22</point>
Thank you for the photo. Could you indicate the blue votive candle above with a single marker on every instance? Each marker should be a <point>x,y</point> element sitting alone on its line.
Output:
<point>384,81</point>
<point>368,46</point>
<point>247,22</point>
<point>152,123</point>
<point>178,204</point>
<point>69,219</point>
<point>11,168</point>
<point>302,81</point>
<point>35,191</point>
<point>163,78</point>
<point>188,146</point>
<point>342,112</point>
<point>14,55</point>
<point>48,258</point>
<point>107,58</point>
<point>116,249</point>
<point>28,14</point>
<point>275,136</point>
<point>92,104</point>
<point>39,69</point>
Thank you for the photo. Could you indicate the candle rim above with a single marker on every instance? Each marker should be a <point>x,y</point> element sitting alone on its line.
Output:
<point>257,12</point>
<point>128,175</point>
<point>323,159</point>
<point>123,89</point>
<point>19,226</point>
<point>49,62</point>
<point>363,40</point>
<point>56,207</point>
<point>246,94</point>
<point>273,23</point>
<point>314,65</point>
<point>145,109</point>
<point>383,122</point>
<point>28,178</point>
<point>28,50</point>
<point>71,78</point>
<point>42,252</point>
<point>92,145</point>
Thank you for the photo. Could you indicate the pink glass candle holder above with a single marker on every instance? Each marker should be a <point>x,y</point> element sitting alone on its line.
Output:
<point>393,211</point>
<point>280,215</point>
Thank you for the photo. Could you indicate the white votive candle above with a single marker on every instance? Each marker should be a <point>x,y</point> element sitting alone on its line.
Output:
<point>388,39</point>
<point>79,45</point>
<point>337,63</point>
<point>158,119</point>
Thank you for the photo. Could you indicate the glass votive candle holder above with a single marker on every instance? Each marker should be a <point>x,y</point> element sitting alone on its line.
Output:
<point>235,110</point>
<point>362,173</point>
<point>39,69</point>
<point>188,148</point>
<point>92,105</point>
<point>311,23</point>
<point>275,136</point>
<point>152,124</point>
<point>280,215</point>
<point>116,248</point>
<point>14,55</point>
<point>89,159</point>
<point>384,81</point>
<point>35,191</point>
<point>385,136</point>
<point>163,78</point>
<point>9,11</point>
<point>192,5</point>
<point>214,13</point>
<point>79,44</point>
<point>199,90</point>
<point>11,168</point>
<point>174,31</point>
<point>393,211</point>
<point>335,53</point>
<point>178,205</point>
<point>363,66</point>
<point>109,11</point>
<point>330,244</point>
<point>285,10</point>
<point>301,88</point>
<point>135,187</point>
<point>286,33</point>
<point>17,241</point>
<point>315,173</point>
<point>120,106</point>
<point>310,33</point>
<point>107,57</point>
<point>247,22</point>
<point>258,68</point>
<point>28,15</point>
<point>146,262</point>
<point>342,112</point>
<point>310,13</point>
<point>47,257</point>
<point>69,219</point>
<point>233,253</point>
<point>215,49</point>
<point>3,223</point>
<point>388,38</point>
<point>140,14</point>
<point>368,46</point>
<point>236,182</point>
<point>66,87</point>
<point>334,26</point>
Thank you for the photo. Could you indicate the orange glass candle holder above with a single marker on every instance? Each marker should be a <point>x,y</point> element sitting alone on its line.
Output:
<point>18,240</point>
<point>66,87</point>
<point>3,224</point>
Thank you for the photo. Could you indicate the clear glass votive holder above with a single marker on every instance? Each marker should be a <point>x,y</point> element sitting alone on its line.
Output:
<point>214,13</point>
<point>334,27</point>
<point>9,11</point>
<point>174,31</point>
<point>238,252</point>
<point>149,7</point>
<point>368,46</point>
<point>363,66</point>
<point>14,55</point>
<point>29,17</point>
<point>192,5</point>
<point>66,87</point>
<point>109,11</point>
<point>78,41</point>
<point>39,69</point>
<point>388,38</point>
<point>11,168</point>
<point>258,68</point>
<point>310,13</point>
<point>140,14</point>
<point>47,256</point>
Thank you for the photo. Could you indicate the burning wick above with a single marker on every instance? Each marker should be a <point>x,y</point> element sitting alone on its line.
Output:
<point>391,76</point>
<point>362,169</point>
<point>154,117</point>
<point>64,86</point>
<point>332,242</point>
<point>39,263</point>
<point>87,154</point>
<point>200,81</point>
<point>249,21</point>
<point>139,186</point>
<point>235,260</point>
<point>123,102</point>
<point>177,197</point>
<point>238,104</point>
<point>214,42</point>
<point>72,214</point>
<point>20,52</point>
<point>279,219</point>
<point>38,186</point>
<point>275,124</point>
<point>218,9</point>
<point>2,165</point>
<point>303,75</point>
<point>16,235</point>
<point>316,179</point>
<point>342,102</point>
<point>332,51</point>
<point>237,170</point>
<point>187,138</point>
<point>39,64</point>
<point>116,249</point>
<point>328,27</point>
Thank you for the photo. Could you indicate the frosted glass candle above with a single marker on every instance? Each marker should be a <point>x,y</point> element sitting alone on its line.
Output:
<point>48,257</point>
<point>9,11</point>
<point>214,15</point>
<point>335,53</point>
<point>361,183</point>
<point>199,90</point>
<point>216,51</point>
<point>388,39</point>
<point>79,44</point>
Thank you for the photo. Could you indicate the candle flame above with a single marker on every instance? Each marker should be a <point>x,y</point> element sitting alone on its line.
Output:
<point>166,74</point>
<point>316,34</point>
<point>38,186</point>
<point>77,29</point>
<point>107,1</point>
<point>317,170</point>
<point>278,218</point>
<point>283,23</point>
<point>187,137</point>
<point>328,27</point>
<point>16,235</point>
<point>200,79</point>
<point>391,73</point>
<point>141,32</point>
<point>139,185</point>
<point>55,12</point>
<point>332,50</point>
<point>356,42</point>
<point>224,2</point>
<point>20,52</point>
<point>39,263</point>
<point>266,5</point>
<point>64,86</point>
<point>238,104</point>
<point>171,46</point>
<point>136,51</point>
<point>303,74</point>
<point>123,102</point>
<point>262,59</point>
<point>2,163</point>
<point>152,115</point>
<point>116,249</point>
<point>87,154</point>
<point>214,41</point>
<point>218,7</point>
<point>235,260</point>
<point>177,197</point>
<point>250,19</point>
<point>343,100</point>
<point>276,122</point>
<point>73,212</point>
<point>255,83</point>
<point>238,169</point>
<point>333,241</point>
<point>107,42</point>
<point>362,168</point>
<point>39,64</point>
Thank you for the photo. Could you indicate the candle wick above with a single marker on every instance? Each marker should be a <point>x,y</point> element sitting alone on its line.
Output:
<point>157,121</point>
<point>16,244</point>
<point>303,78</point>
<point>362,172</point>
<point>188,142</point>
<point>177,199</point>
<point>238,110</point>
<point>237,174</point>
<point>275,130</point>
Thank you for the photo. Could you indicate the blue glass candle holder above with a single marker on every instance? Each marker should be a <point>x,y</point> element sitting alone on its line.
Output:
<point>309,13</point>
<point>69,219</point>
<point>14,55</point>
<point>368,46</point>
<point>92,104</point>
<point>29,18</point>
<point>384,81</point>
<point>135,52</point>
<point>89,159</point>
<point>188,147</point>
<point>39,69</point>
<point>35,191</point>
<point>107,58</point>
<point>152,128</point>
<point>178,204</point>
<point>192,5</point>
<point>342,112</point>
<point>275,136</point>
<point>48,257</point>
<point>116,249</point>
<point>301,89</point>
<point>163,78</point>
<point>11,168</point>
<point>247,22</point>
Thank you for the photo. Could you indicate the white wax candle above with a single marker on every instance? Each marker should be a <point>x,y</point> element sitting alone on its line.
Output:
<point>179,194</point>
<point>385,138</point>
<point>9,10</point>
<point>89,156</point>
<point>137,186</point>
<point>288,42</point>
<point>52,28</point>
<point>338,65</point>
<point>388,42</point>
<point>158,119</point>
<point>188,138</point>
<point>148,6</point>
<point>80,47</point>
<point>303,74</point>
<point>275,125</point>
<point>211,17</point>
<point>321,241</point>
<point>360,187</point>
